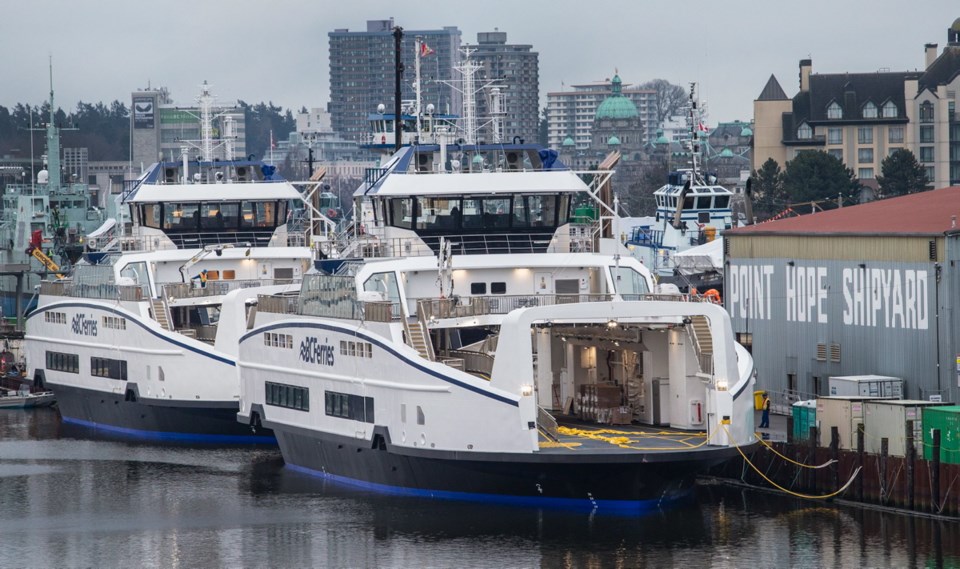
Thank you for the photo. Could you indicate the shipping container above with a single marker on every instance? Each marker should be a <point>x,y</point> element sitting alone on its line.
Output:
<point>866,386</point>
<point>888,420</point>
<point>843,412</point>
<point>947,419</point>
<point>804,417</point>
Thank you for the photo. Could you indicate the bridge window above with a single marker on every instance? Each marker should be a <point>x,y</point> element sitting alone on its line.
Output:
<point>720,202</point>
<point>401,213</point>
<point>535,211</point>
<point>438,214</point>
<point>150,215</point>
<point>628,281</point>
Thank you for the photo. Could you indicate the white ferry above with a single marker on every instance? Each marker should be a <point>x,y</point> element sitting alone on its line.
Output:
<point>486,348</point>
<point>142,338</point>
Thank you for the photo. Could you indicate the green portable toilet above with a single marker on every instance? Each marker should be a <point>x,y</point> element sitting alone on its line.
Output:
<point>804,417</point>
<point>947,419</point>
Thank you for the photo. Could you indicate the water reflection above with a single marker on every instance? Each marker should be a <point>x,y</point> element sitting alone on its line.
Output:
<point>69,498</point>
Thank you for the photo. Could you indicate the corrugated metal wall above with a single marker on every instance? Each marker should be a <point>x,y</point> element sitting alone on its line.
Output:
<point>895,249</point>
<point>821,306</point>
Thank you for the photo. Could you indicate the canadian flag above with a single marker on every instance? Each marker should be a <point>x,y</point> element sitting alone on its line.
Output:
<point>425,50</point>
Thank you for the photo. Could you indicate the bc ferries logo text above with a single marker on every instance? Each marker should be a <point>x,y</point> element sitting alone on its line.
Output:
<point>84,326</point>
<point>312,351</point>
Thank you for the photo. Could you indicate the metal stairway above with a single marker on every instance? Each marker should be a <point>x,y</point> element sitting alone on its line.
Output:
<point>700,332</point>
<point>417,339</point>
<point>160,313</point>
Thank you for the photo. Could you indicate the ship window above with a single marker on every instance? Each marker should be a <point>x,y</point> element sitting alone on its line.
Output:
<point>478,288</point>
<point>401,213</point>
<point>472,214</point>
<point>289,396</point>
<point>150,215</point>
<point>688,203</point>
<point>384,283</point>
<point>58,361</point>
<point>628,281</point>
<point>258,214</point>
<point>108,368</point>
<point>535,211</point>
<point>421,420</point>
<point>564,210</point>
<point>438,214</point>
<point>703,202</point>
<point>721,202</point>
<point>181,216</point>
<point>229,274</point>
<point>347,406</point>
<point>498,288</point>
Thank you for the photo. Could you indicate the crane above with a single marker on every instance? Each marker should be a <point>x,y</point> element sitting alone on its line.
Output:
<point>36,251</point>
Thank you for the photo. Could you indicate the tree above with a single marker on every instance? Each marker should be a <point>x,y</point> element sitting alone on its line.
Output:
<point>815,176</point>
<point>542,130</point>
<point>901,175</point>
<point>670,98</point>
<point>767,186</point>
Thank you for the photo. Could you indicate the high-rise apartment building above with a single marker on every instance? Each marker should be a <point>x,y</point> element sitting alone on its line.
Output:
<point>515,70</point>
<point>160,129</point>
<point>362,73</point>
<point>571,113</point>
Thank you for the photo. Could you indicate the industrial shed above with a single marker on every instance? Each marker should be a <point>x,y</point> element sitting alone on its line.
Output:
<point>868,289</point>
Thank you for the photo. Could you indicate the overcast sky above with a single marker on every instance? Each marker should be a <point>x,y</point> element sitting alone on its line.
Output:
<point>277,50</point>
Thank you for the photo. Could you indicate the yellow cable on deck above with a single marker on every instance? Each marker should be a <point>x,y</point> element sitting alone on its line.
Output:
<point>791,492</point>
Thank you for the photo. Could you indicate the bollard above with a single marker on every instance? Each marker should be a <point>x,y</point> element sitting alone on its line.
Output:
<point>909,458</point>
<point>935,466</point>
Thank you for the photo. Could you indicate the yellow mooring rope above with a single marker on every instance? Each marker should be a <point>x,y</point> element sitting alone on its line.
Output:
<point>785,490</point>
<point>788,459</point>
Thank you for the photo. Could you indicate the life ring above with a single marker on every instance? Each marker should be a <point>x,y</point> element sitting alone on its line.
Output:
<point>713,295</point>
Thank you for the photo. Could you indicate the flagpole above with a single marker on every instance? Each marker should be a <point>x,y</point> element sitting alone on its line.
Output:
<point>416,86</point>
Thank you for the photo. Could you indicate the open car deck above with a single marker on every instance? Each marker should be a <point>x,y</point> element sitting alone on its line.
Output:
<point>590,438</point>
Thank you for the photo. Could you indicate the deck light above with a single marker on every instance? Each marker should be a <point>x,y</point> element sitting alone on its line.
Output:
<point>611,323</point>
<point>526,390</point>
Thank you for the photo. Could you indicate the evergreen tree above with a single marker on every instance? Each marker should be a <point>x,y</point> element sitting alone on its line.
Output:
<point>815,176</point>
<point>901,175</point>
<point>767,186</point>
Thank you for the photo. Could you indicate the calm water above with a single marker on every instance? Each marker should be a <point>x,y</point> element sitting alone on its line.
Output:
<point>70,499</point>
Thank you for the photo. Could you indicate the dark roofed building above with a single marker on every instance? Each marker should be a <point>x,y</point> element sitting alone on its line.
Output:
<point>862,117</point>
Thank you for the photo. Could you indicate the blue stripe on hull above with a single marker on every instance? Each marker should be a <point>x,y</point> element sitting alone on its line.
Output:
<point>173,437</point>
<point>605,506</point>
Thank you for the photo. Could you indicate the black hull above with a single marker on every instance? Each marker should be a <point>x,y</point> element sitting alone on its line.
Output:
<point>169,422</point>
<point>624,486</point>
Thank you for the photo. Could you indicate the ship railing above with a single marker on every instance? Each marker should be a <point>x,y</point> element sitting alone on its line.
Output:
<point>198,240</point>
<point>107,291</point>
<point>476,363</point>
<point>216,288</point>
<point>467,306</point>
<point>376,311</point>
<point>276,304</point>
<point>460,307</point>
<point>466,244</point>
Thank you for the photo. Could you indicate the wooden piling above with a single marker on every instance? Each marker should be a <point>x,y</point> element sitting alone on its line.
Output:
<point>935,466</point>
<point>884,455</point>
<point>835,456</point>
<point>860,462</point>
<point>909,458</point>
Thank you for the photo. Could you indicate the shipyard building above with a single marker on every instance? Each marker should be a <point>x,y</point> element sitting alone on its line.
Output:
<point>869,289</point>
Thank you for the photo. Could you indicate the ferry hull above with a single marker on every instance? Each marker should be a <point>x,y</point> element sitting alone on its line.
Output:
<point>201,422</point>
<point>625,486</point>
